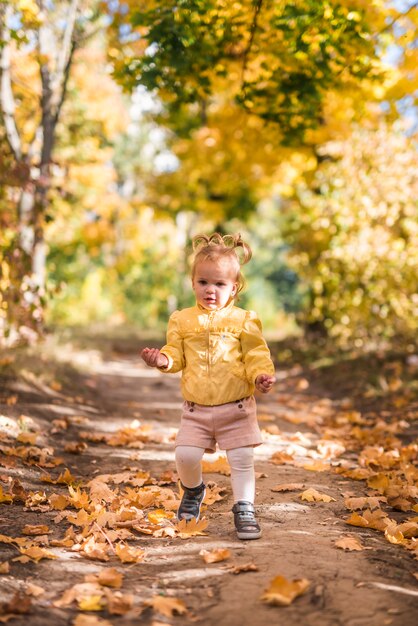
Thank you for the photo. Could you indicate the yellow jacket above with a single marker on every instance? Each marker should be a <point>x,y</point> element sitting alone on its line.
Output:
<point>220,353</point>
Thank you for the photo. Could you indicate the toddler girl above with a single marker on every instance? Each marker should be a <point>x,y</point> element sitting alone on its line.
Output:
<point>223,357</point>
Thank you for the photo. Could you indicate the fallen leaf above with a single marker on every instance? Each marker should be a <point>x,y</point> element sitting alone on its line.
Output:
<point>166,606</point>
<point>159,515</point>
<point>58,502</point>
<point>65,478</point>
<point>4,567</point>
<point>34,590</point>
<point>377,519</point>
<point>247,567</point>
<point>264,417</point>
<point>118,603</point>
<point>27,438</point>
<point>393,534</point>
<point>110,577</point>
<point>5,497</point>
<point>128,554</point>
<point>91,603</point>
<point>35,554</point>
<point>215,555</point>
<point>213,493</point>
<point>348,543</point>
<point>76,447</point>
<point>191,528</point>
<point>90,620</point>
<point>316,466</point>
<point>220,466</point>
<point>288,487</point>
<point>20,604</point>
<point>372,502</point>
<point>282,592</point>
<point>312,495</point>
<point>281,458</point>
<point>35,530</point>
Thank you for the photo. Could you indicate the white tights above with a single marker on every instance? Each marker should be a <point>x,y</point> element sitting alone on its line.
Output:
<point>241,461</point>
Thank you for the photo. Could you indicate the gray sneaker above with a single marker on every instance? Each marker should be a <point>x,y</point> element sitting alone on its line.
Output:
<point>245,521</point>
<point>191,502</point>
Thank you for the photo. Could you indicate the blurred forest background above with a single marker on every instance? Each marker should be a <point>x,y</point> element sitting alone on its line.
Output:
<point>128,127</point>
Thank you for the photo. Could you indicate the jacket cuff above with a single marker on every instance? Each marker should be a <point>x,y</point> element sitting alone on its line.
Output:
<point>170,363</point>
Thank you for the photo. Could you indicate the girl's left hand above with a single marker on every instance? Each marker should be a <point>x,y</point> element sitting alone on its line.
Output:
<point>264,382</point>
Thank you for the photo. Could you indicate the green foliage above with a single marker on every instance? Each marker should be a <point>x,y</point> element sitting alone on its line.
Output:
<point>277,60</point>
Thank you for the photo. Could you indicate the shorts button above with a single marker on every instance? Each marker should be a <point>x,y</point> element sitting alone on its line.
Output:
<point>240,406</point>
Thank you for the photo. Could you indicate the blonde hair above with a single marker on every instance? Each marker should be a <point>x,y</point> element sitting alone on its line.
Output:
<point>215,247</point>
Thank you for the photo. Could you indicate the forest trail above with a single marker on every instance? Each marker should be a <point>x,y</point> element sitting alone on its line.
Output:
<point>112,419</point>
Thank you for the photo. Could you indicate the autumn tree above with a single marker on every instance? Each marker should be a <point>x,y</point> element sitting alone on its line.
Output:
<point>35,64</point>
<point>352,232</point>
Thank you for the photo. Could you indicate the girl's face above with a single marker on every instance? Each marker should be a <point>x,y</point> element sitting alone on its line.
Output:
<point>214,283</point>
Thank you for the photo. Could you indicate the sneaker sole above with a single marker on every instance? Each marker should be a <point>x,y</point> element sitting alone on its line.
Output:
<point>249,535</point>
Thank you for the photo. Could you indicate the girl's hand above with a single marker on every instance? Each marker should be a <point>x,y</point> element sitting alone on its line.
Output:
<point>154,358</point>
<point>264,382</point>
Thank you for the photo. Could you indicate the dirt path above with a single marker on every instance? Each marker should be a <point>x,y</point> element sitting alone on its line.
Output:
<point>374,586</point>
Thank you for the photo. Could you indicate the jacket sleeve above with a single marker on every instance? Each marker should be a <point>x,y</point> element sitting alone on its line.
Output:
<point>173,349</point>
<point>255,352</point>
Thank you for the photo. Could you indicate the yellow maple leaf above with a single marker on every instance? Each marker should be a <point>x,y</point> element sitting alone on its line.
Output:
<point>79,499</point>
<point>191,528</point>
<point>36,554</point>
<point>282,592</point>
<point>393,534</point>
<point>159,515</point>
<point>213,494</point>
<point>361,503</point>
<point>312,495</point>
<point>220,466</point>
<point>129,555</point>
<point>166,606</point>
<point>93,549</point>
<point>91,603</point>
<point>65,478</point>
<point>349,543</point>
<point>81,519</point>
<point>281,458</point>
<point>58,502</point>
<point>215,555</point>
<point>377,519</point>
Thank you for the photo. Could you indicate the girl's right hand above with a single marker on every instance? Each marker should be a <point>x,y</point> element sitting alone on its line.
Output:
<point>153,357</point>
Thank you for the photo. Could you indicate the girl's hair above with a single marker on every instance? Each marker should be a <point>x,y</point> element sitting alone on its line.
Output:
<point>216,246</point>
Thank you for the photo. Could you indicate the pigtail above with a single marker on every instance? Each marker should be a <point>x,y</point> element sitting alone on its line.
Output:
<point>236,241</point>
<point>226,242</point>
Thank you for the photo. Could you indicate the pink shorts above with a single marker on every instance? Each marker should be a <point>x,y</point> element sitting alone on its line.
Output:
<point>231,425</point>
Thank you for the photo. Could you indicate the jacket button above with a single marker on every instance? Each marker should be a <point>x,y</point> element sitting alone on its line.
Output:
<point>240,406</point>
<point>191,410</point>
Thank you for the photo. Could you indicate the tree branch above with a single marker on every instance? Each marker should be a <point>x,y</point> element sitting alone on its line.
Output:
<point>399,17</point>
<point>251,40</point>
